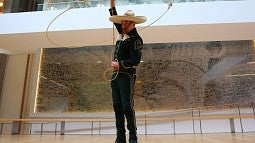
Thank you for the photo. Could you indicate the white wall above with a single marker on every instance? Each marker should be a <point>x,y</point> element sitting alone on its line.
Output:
<point>97,17</point>
<point>184,22</point>
<point>13,86</point>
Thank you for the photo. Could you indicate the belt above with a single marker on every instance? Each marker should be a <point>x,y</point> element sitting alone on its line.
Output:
<point>133,67</point>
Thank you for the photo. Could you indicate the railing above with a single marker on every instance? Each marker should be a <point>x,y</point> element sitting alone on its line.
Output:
<point>16,123</point>
<point>197,118</point>
<point>103,3</point>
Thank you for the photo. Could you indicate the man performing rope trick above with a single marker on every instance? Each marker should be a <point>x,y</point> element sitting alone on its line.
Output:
<point>127,55</point>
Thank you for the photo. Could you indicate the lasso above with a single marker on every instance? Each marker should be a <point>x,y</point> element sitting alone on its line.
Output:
<point>108,69</point>
<point>111,69</point>
<point>47,29</point>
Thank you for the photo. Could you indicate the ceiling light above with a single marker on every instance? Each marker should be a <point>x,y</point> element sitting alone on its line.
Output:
<point>1,4</point>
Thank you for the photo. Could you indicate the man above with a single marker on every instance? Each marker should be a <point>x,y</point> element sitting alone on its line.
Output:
<point>127,55</point>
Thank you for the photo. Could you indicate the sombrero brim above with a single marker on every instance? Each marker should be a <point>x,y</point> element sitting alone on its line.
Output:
<point>119,18</point>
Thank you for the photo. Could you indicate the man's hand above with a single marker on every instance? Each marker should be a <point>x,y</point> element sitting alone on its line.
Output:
<point>115,65</point>
<point>112,3</point>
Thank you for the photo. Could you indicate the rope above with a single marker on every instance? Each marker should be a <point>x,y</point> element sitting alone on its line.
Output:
<point>111,68</point>
<point>53,20</point>
<point>108,69</point>
<point>47,30</point>
<point>169,6</point>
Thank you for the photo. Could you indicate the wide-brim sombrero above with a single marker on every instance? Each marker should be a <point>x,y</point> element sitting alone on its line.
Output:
<point>128,15</point>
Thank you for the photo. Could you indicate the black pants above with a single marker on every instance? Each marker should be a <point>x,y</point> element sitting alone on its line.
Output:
<point>123,104</point>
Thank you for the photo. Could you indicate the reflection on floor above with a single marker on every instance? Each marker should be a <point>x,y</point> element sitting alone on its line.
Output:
<point>180,138</point>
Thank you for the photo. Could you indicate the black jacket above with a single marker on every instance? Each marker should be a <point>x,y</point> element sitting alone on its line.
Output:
<point>128,51</point>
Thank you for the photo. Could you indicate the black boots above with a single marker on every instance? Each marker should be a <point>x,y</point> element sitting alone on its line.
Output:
<point>120,141</point>
<point>120,115</point>
<point>124,141</point>
<point>133,140</point>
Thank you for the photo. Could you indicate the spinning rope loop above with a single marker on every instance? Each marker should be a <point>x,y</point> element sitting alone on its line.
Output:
<point>52,21</point>
<point>113,39</point>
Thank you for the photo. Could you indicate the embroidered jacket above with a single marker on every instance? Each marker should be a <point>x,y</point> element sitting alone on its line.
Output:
<point>128,48</point>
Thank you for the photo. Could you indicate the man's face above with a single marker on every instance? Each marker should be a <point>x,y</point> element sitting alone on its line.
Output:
<point>127,25</point>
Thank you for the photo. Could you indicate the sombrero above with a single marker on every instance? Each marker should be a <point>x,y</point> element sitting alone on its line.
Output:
<point>128,15</point>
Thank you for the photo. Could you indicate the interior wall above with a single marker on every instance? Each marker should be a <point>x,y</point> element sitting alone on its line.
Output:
<point>3,60</point>
<point>13,86</point>
<point>178,76</point>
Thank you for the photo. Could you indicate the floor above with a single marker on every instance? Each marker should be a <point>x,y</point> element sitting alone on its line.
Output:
<point>180,138</point>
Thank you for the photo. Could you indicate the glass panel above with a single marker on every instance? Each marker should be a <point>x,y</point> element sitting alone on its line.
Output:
<point>65,4</point>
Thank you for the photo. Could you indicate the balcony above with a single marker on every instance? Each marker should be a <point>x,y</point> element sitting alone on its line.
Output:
<point>102,3</point>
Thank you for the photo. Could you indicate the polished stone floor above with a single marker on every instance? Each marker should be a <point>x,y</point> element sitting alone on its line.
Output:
<point>180,138</point>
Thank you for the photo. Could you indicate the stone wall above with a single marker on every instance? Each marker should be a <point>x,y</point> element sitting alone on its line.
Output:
<point>171,76</point>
